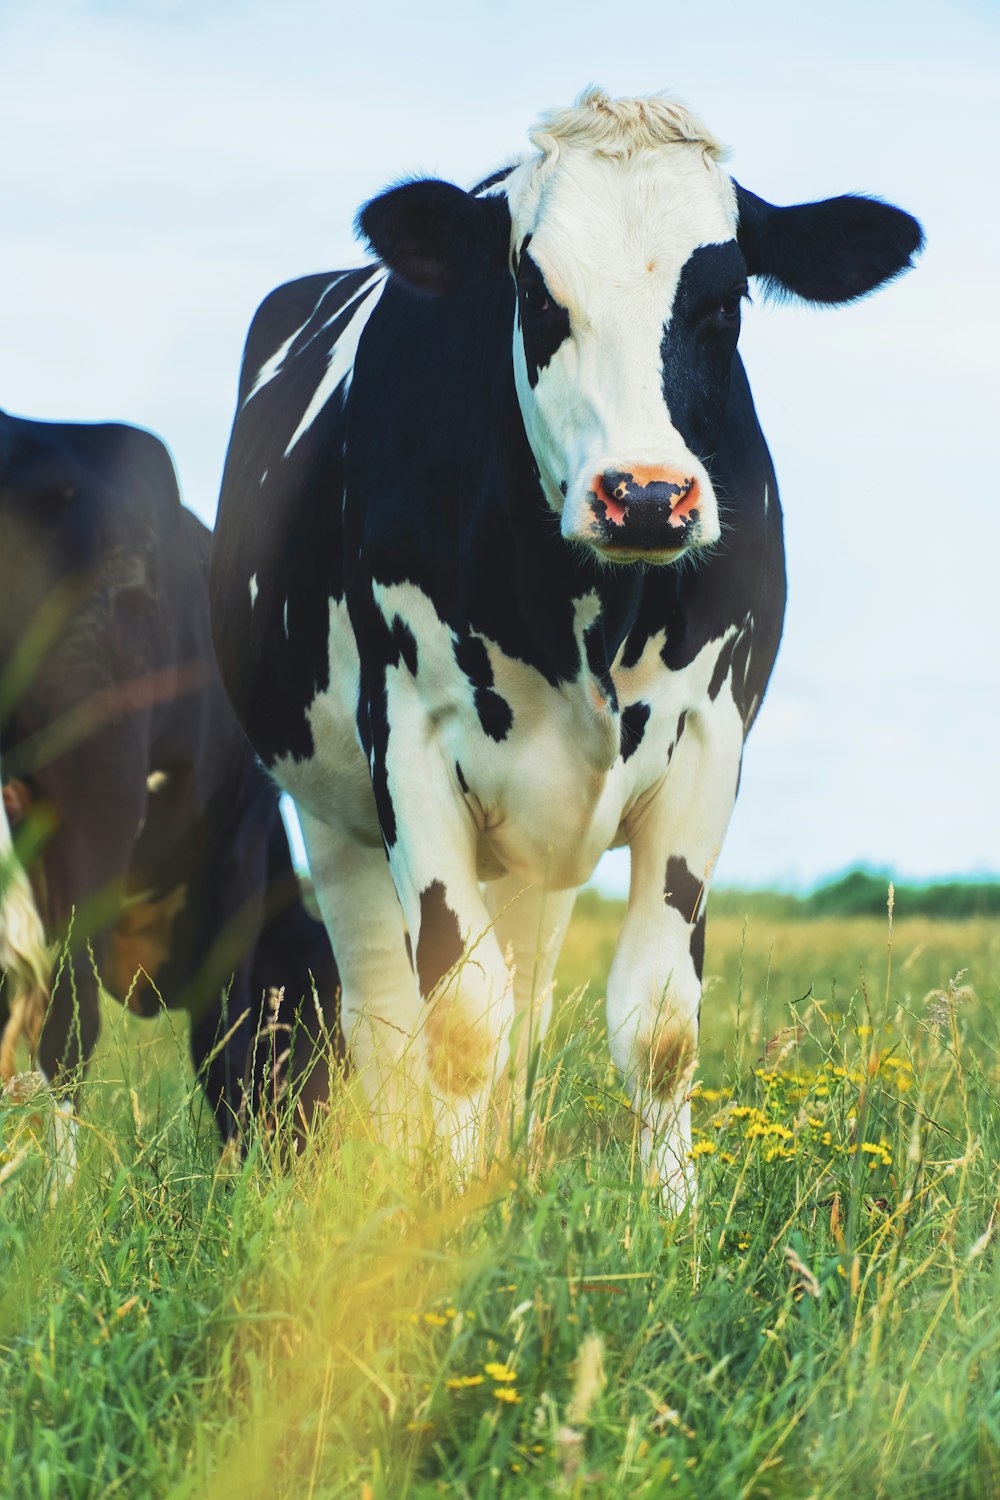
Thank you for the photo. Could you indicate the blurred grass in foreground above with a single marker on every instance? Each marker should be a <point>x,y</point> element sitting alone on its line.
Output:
<point>341,1323</point>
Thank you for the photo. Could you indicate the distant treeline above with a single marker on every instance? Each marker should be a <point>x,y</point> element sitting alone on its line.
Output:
<point>864,894</point>
<point>861,893</point>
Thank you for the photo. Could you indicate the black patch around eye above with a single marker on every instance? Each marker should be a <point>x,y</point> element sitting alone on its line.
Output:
<point>544,323</point>
<point>698,344</point>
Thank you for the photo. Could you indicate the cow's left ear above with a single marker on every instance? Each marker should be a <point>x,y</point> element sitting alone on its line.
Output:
<point>434,235</point>
<point>833,251</point>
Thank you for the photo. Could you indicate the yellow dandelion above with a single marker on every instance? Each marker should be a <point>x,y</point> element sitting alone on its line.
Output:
<point>499,1372</point>
<point>435,1320</point>
<point>702,1148</point>
<point>727,1156</point>
<point>462,1382</point>
<point>508,1394</point>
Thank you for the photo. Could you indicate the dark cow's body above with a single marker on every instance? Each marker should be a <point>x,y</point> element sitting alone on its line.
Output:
<point>159,828</point>
<point>420,621</point>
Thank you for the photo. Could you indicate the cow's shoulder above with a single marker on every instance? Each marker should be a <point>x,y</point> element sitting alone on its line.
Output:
<point>295,319</point>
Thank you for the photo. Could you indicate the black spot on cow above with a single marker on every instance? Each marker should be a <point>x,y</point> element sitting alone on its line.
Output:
<point>681,723</point>
<point>741,673</point>
<point>461,779</point>
<point>682,890</point>
<point>439,942</point>
<point>698,949</point>
<point>721,671</point>
<point>634,720</point>
<point>494,712</point>
<point>544,323</point>
<point>407,943</point>
<point>405,643</point>
<point>373,730</point>
<point>599,659</point>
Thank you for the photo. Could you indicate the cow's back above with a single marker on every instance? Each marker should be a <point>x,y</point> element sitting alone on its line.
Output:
<point>278,560</point>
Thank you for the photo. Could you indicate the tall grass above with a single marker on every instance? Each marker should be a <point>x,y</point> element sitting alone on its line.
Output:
<point>338,1322</point>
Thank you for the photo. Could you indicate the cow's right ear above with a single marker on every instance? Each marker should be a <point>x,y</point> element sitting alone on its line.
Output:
<point>433,234</point>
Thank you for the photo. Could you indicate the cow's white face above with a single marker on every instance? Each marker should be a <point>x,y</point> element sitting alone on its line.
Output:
<point>629,283</point>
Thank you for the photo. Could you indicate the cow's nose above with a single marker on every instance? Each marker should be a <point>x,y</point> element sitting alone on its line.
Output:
<point>671,493</point>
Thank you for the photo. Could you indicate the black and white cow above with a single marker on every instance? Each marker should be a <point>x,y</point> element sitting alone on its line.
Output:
<point>148,828</point>
<point>499,583</point>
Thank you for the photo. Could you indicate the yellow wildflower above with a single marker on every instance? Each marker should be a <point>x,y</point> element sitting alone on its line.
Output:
<point>507,1393</point>
<point>499,1372</point>
<point>461,1382</point>
<point>702,1148</point>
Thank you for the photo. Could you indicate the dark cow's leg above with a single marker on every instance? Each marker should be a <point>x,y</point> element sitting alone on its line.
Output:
<point>102,784</point>
<point>300,1044</point>
<point>223,1028</point>
<point>654,988</point>
<point>225,1010</point>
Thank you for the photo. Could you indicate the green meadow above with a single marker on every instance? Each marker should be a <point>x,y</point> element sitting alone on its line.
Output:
<point>338,1321</point>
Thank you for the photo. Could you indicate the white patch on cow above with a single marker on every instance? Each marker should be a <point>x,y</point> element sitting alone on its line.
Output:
<point>611,231</point>
<point>342,355</point>
<point>334,785</point>
<point>254,590</point>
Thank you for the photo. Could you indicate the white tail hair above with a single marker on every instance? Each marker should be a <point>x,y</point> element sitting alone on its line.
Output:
<point>24,956</point>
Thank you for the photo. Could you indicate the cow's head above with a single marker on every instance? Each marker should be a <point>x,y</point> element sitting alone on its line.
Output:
<point>630,250</point>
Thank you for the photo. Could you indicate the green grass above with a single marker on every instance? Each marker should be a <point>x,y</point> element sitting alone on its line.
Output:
<point>826,1322</point>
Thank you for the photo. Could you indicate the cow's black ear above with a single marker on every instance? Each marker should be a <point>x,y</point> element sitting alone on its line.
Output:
<point>833,251</point>
<point>433,234</point>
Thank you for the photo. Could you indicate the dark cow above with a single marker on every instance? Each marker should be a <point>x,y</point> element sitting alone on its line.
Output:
<point>157,833</point>
<point>499,583</point>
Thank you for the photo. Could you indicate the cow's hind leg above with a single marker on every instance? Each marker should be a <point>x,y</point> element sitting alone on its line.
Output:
<point>380,1007</point>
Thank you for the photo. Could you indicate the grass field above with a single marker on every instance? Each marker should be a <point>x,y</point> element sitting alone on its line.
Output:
<point>825,1323</point>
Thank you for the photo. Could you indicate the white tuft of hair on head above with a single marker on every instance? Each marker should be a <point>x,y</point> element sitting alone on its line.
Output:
<point>623,128</point>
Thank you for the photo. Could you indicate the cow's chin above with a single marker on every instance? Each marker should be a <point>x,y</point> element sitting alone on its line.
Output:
<point>617,557</point>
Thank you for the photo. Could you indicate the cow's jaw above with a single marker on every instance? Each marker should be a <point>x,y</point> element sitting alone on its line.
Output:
<point>611,240</point>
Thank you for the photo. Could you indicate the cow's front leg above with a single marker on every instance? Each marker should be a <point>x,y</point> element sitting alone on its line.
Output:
<point>654,988</point>
<point>381,1013</point>
<point>465,986</point>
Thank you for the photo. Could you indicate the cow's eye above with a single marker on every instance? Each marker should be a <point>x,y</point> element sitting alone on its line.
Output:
<point>535,297</point>
<point>729,308</point>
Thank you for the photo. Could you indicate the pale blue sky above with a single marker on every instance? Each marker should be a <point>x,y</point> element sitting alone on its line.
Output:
<point>164,165</point>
